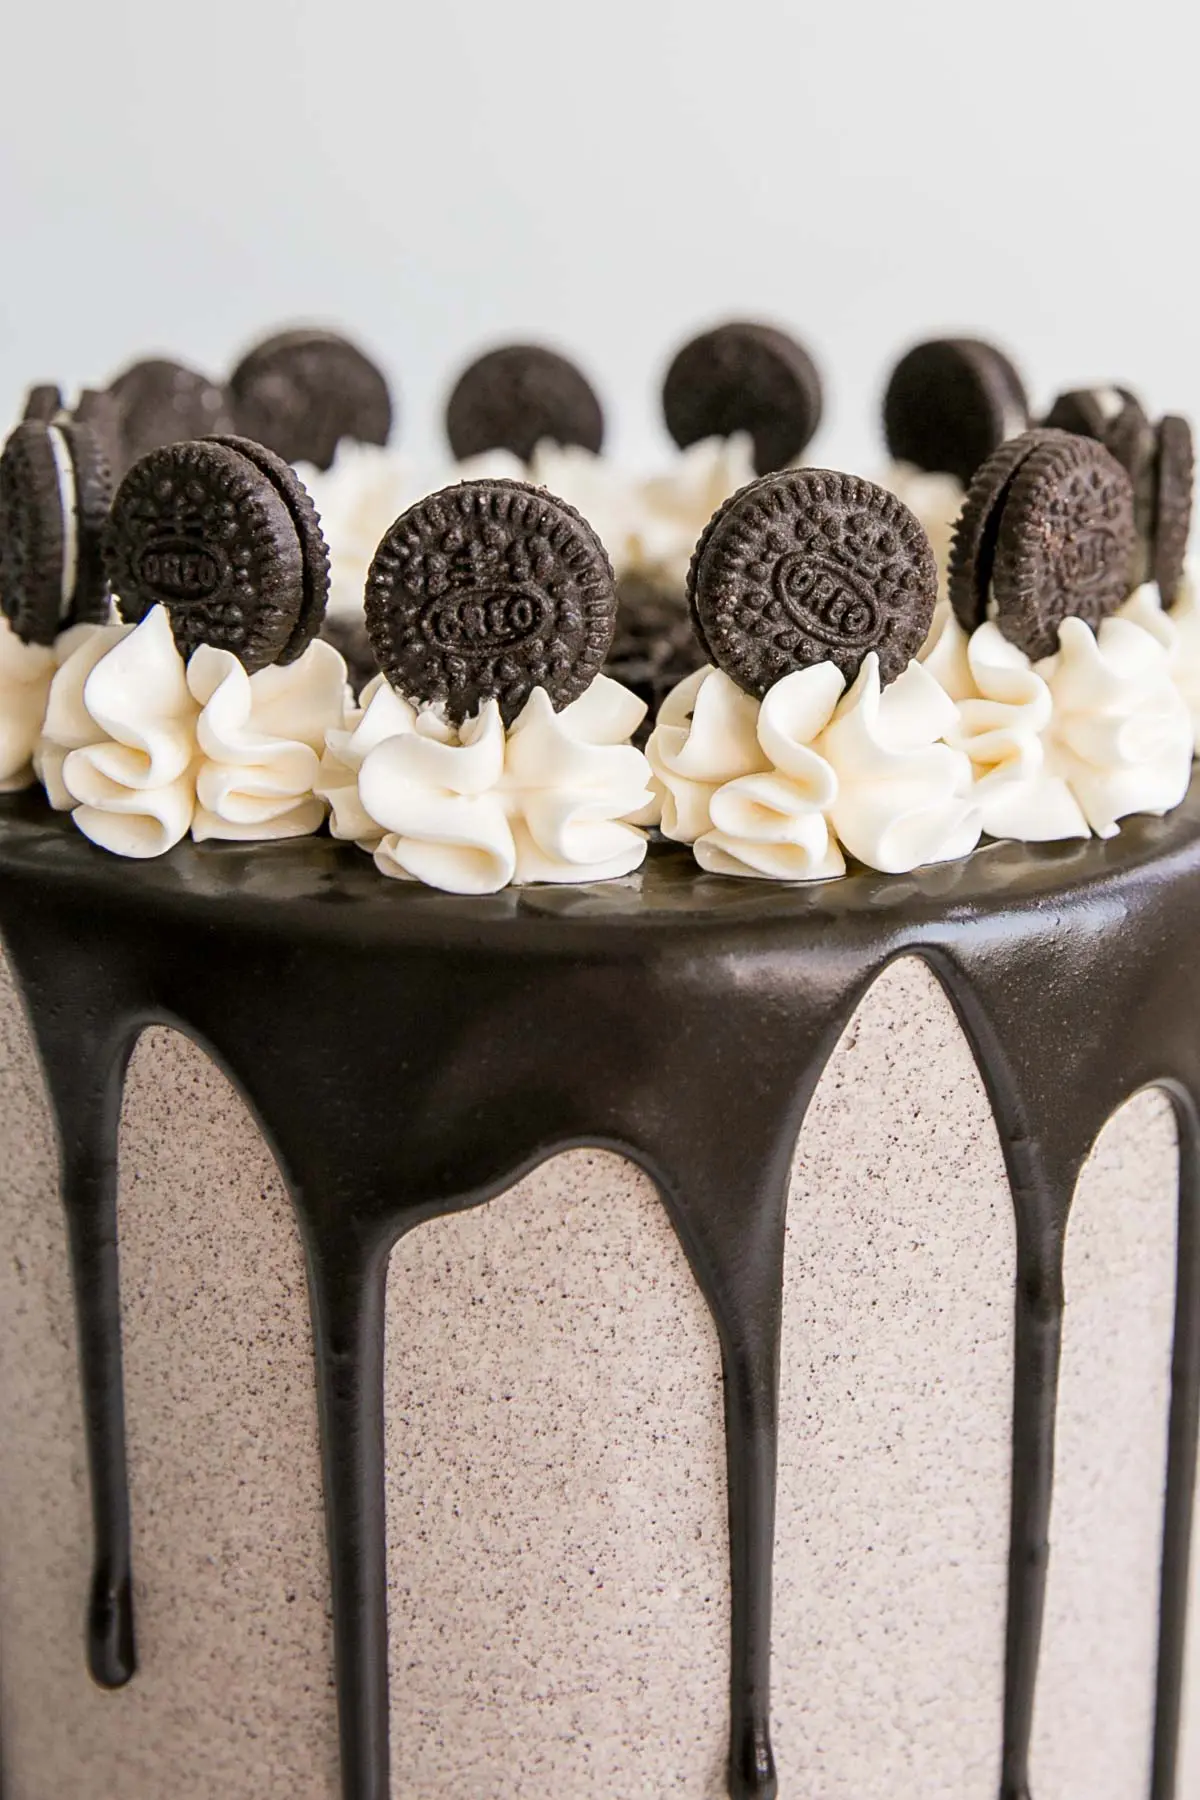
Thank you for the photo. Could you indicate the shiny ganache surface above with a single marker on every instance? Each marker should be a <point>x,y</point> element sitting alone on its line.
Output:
<point>411,1053</point>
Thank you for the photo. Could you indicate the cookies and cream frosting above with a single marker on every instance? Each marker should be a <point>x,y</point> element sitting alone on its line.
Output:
<point>473,808</point>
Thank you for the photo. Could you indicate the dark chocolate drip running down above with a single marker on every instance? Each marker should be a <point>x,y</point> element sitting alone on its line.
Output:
<point>607,1015</point>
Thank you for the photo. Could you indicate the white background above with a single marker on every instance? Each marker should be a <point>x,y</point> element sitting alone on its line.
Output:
<point>183,176</point>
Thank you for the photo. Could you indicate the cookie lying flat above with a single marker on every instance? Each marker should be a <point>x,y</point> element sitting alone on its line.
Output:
<point>301,392</point>
<point>518,396</point>
<point>222,534</point>
<point>950,403</point>
<point>1046,533</point>
<point>808,566</point>
<point>162,402</point>
<point>745,377</point>
<point>486,591</point>
<point>55,488</point>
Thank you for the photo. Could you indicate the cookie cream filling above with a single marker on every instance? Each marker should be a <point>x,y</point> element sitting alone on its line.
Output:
<point>68,500</point>
<point>141,748</point>
<point>474,808</point>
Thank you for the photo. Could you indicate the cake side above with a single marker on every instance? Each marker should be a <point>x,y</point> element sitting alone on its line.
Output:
<point>892,1519</point>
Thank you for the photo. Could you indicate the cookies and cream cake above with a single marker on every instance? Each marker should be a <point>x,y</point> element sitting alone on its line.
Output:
<point>542,1265</point>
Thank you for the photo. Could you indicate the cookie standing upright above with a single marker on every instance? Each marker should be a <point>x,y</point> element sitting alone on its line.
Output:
<point>300,392</point>
<point>486,591</point>
<point>950,403</point>
<point>745,376</point>
<point>159,402</point>
<point>55,489</point>
<point>518,396</point>
<point>809,566</point>
<point>222,534</point>
<point>1046,533</point>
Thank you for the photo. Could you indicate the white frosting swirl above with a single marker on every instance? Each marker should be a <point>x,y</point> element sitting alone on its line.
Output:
<point>1004,708</point>
<point>572,781</point>
<point>26,671</point>
<point>472,809</point>
<point>121,713</point>
<point>1121,733</point>
<point>1178,631</point>
<point>775,789</point>
<point>379,714</point>
<point>260,739</point>
<point>141,750</point>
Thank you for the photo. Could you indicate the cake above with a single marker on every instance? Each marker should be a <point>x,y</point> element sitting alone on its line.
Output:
<point>660,1332</point>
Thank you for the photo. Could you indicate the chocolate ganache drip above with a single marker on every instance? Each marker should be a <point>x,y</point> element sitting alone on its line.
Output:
<point>614,1014</point>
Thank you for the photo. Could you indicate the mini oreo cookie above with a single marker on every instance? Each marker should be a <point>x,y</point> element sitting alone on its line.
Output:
<point>486,591</point>
<point>1175,464</point>
<point>1046,533</point>
<point>214,532</point>
<point>745,377</point>
<point>950,403</point>
<point>162,402</point>
<point>55,488</point>
<point>301,392</point>
<point>517,396</point>
<point>808,566</point>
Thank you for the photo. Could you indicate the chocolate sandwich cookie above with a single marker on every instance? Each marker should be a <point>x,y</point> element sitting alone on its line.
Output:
<point>745,377</point>
<point>518,396</point>
<point>809,566</point>
<point>162,402</point>
<point>43,402</point>
<point>222,534</point>
<point>1114,417</point>
<point>486,591</point>
<point>1046,533</point>
<point>301,392</point>
<point>55,488</point>
<point>950,403</point>
<point>1174,472</point>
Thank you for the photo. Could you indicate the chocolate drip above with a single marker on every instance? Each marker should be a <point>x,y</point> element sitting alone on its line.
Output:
<point>411,1054</point>
<point>1181,1460</point>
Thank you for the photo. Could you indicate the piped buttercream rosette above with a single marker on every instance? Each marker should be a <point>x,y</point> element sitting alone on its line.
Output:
<point>815,734</point>
<point>205,709</point>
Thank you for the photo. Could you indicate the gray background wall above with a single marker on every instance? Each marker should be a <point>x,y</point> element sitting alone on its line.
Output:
<point>182,176</point>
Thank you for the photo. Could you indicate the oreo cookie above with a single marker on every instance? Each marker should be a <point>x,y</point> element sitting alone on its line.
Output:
<point>518,396</point>
<point>745,377</point>
<point>950,403</point>
<point>486,591</point>
<point>1174,473</point>
<point>162,402</point>
<point>222,534</point>
<point>55,487</point>
<point>1046,533</point>
<point>808,566</point>
<point>43,402</point>
<point>301,392</point>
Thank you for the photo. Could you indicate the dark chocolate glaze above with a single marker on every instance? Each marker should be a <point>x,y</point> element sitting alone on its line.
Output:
<point>382,1031</point>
